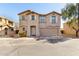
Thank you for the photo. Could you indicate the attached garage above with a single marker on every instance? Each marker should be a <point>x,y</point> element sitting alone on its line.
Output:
<point>48,32</point>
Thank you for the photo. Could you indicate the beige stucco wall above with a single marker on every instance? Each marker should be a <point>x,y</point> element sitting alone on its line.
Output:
<point>49,29</point>
<point>23,23</point>
<point>9,33</point>
<point>33,23</point>
<point>48,21</point>
<point>27,23</point>
<point>41,28</point>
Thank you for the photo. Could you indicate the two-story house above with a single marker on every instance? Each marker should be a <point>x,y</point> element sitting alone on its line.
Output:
<point>5,26</point>
<point>43,25</point>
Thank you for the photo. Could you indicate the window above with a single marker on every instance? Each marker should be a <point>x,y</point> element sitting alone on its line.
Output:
<point>16,31</point>
<point>23,29</point>
<point>6,31</point>
<point>42,19</point>
<point>53,19</point>
<point>21,17</point>
<point>33,17</point>
<point>12,29</point>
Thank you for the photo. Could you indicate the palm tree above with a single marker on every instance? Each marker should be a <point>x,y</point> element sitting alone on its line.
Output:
<point>70,12</point>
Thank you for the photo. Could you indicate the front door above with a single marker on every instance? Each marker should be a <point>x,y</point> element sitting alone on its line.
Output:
<point>6,31</point>
<point>33,30</point>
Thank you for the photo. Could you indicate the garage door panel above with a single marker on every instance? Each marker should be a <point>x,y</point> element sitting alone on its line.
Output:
<point>48,32</point>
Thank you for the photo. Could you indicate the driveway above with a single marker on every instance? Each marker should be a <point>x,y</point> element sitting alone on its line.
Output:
<point>31,47</point>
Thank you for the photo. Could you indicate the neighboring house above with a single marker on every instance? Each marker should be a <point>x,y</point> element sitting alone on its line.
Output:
<point>6,26</point>
<point>35,24</point>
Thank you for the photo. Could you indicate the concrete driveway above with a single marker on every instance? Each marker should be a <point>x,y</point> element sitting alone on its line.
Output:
<point>31,47</point>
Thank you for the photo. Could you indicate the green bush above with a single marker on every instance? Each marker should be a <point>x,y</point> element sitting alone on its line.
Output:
<point>22,34</point>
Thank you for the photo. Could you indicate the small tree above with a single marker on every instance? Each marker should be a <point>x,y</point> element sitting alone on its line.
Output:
<point>70,12</point>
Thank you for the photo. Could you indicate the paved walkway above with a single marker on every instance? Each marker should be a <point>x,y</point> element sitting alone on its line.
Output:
<point>31,47</point>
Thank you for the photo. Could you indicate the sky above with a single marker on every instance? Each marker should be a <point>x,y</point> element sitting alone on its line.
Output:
<point>10,10</point>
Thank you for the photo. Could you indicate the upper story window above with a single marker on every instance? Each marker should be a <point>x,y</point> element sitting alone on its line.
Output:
<point>23,29</point>
<point>53,19</point>
<point>42,19</point>
<point>21,17</point>
<point>33,17</point>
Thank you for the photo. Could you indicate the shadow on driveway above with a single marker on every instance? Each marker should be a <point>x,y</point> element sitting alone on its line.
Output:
<point>57,40</point>
<point>52,40</point>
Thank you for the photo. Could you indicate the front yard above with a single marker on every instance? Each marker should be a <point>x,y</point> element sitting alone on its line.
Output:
<point>31,47</point>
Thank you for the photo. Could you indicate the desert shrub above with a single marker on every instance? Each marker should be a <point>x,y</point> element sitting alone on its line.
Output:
<point>22,34</point>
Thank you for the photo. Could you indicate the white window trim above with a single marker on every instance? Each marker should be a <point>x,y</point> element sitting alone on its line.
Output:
<point>51,19</point>
<point>20,17</point>
<point>34,16</point>
<point>41,20</point>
